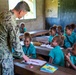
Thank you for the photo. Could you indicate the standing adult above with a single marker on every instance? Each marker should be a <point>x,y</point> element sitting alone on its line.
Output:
<point>9,37</point>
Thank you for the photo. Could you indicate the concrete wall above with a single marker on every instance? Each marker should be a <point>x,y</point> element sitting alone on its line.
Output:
<point>66,14</point>
<point>3,5</point>
<point>35,24</point>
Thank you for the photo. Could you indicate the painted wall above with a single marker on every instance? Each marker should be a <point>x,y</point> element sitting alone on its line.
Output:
<point>66,14</point>
<point>39,22</point>
<point>3,5</point>
<point>35,24</point>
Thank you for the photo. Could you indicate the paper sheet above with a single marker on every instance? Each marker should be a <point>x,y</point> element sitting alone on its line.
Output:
<point>36,62</point>
<point>48,46</point>
<point>22,43</point>
<point>21,34</point>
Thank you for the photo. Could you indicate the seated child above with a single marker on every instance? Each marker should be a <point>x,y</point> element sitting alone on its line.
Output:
<point>56,54</point>
<point>55,25</point>
<point>22,27</point>
<point>28,47</point>
<point>59,30</point>
<point>71,57</point>
<point>52,32</point>
<point>70,36</point>
<point>73,27</point>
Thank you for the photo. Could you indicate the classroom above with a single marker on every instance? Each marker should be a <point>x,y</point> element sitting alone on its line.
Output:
<point>37,37</point>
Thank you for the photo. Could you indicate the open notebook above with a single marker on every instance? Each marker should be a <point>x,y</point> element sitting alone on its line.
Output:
<point>35,62</point>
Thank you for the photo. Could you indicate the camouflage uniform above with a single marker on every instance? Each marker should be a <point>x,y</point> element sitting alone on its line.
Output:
<point>9,37</point>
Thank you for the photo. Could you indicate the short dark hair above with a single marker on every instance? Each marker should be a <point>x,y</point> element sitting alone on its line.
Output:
<point>59,27</point>
<point>71,26</point>
<point>74,48</point>
<point>27,35</point>
<point>52,28</point>
<point>22,5</point>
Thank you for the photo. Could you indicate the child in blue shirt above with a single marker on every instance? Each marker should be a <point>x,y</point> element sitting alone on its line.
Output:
<point>70,36</point>
<point>22,27</point>
<point>56,54</point>
<point>59,30</point>
<point>71,57</point>
<point>52,32</point>
<point>28,47</point>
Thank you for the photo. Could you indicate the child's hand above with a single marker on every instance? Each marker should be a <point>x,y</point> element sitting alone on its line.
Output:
<point>26,58</point>
<point>69,49</point>
<point>67,57</point>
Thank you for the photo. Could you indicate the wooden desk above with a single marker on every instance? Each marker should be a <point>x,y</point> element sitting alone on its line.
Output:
<point>42,39</point>
<point>38,32</point>
<point>22,69</point>
<point>42,50</point>
<point>35,33</point>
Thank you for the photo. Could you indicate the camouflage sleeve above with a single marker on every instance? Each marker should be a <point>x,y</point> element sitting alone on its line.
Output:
<point>13,31</point>
<point>14,38</point>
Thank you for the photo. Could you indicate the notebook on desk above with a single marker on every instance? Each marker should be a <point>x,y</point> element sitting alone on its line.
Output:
<point>36,62</point>
<point>48,68</point>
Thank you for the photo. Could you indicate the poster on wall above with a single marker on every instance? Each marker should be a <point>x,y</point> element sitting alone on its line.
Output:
<point>51,9</point>
<point>31,3</point>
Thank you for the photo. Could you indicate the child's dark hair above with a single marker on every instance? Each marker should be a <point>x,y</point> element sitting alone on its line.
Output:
<point>74,48</point>
<point>52,28</point>
<point>27,35</point>
<point>59,39</point>
<point>60,27</point>
<point>55,26</point>
<point>71,26</point>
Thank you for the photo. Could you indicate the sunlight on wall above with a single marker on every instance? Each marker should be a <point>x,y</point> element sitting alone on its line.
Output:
<point>51,9</point>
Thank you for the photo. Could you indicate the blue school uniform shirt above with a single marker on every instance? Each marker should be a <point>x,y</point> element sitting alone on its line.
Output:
<point>64,32</point>
<point>71,38</point>
<point>23,30</point>
<point>30,51</point>
<point>51,38</point>
<point>57,55</point>
<point>73,59</point>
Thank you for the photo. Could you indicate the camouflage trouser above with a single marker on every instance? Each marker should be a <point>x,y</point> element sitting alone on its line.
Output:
<point>7,67</point>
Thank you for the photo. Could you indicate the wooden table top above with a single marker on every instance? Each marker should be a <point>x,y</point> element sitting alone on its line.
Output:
<point>35,33</point>
<point>42,50</point>
<point>38,32</point>
<point>41,39</point>
<point>22,69</point>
